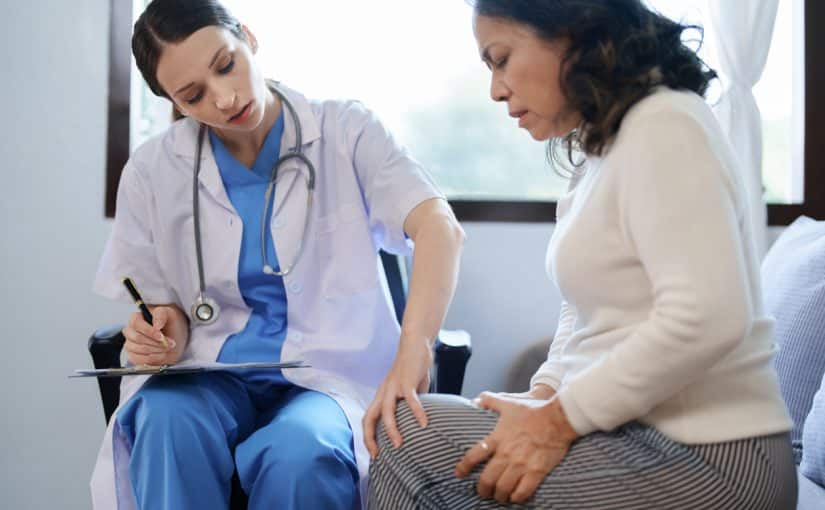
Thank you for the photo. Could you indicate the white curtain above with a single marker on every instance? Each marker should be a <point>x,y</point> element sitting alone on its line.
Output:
<point>744,30</point>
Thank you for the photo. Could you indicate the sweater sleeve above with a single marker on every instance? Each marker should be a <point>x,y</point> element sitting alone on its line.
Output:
<point>551,372</point>
<point>678,214</point>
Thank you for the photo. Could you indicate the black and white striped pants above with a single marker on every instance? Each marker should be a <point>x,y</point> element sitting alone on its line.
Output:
<point>633,467</point>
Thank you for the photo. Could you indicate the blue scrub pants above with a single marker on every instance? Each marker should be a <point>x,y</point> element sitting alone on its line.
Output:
<point>293,447</point>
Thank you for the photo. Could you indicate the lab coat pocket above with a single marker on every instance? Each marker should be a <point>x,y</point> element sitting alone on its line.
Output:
<point>348,256</point>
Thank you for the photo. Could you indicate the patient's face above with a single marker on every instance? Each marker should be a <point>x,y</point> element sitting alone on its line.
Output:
<point>212,77</point>
<point>526,72</point>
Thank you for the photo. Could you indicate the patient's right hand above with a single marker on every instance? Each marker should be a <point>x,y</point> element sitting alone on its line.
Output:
<point>145,342</point>
<point>537,392</point>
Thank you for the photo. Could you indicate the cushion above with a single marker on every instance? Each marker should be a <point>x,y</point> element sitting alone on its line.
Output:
<point>813,440</point>
<point>525,366</point>
<point>793,279</point>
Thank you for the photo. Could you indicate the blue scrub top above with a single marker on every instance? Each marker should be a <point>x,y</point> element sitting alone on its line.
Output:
<point>265,331</point>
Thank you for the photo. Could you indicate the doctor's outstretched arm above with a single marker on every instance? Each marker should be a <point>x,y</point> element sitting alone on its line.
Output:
<point>438,239</point>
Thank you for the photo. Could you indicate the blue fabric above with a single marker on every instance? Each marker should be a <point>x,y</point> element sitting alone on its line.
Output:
<point>793,278</point>
<point>264,334</point>
<point>813,439</point>
<point>183,430</point>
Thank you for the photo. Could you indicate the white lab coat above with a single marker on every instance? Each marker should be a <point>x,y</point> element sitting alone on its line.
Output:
<point>339,315</point>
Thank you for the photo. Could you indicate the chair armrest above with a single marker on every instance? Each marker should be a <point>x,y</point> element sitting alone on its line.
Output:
<point>105,345</point>
<point>452,351</point>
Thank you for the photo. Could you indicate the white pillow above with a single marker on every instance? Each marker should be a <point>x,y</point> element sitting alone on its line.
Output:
<point>813,440</point>
<point>793,282</point>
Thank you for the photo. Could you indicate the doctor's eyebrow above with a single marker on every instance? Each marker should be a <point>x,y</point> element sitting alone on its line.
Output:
<point>211,63</point>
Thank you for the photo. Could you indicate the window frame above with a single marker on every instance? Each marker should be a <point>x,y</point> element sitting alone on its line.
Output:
<point>813,204</point>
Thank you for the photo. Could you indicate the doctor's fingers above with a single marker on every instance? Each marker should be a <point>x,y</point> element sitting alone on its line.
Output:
<point>151,359</point>
<point>370,420</point>
<point>415,406</point>
<point>388,403</point>
<point>144,349</point>
<point>137,337</point>
<point>144,332</point>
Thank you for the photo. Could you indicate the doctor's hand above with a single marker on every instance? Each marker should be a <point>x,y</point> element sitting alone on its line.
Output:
<point>409,376</point>
<point>530,439</point>
<point>160,343</point>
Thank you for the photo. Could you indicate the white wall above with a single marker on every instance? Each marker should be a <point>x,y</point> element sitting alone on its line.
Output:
<point>504,298</point>
<point>53,55</point>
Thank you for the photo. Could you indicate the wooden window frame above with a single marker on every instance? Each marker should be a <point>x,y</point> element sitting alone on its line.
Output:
<point>813,204</point>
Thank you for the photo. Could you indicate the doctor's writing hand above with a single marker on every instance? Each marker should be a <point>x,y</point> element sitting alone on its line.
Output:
<point>409,375</point>
<point>145,342</point>
<point>530,439</point>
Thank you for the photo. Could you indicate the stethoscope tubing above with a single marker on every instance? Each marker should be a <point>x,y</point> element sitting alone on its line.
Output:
<point>206,310</point>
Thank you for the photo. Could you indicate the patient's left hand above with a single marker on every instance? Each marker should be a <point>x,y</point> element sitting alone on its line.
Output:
<point>530,439</point>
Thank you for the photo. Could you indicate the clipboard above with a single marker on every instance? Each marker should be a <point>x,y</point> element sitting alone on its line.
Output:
<point>184,368</point>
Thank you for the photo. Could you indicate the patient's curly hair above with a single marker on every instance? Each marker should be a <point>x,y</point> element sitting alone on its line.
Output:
<point>619,51</point>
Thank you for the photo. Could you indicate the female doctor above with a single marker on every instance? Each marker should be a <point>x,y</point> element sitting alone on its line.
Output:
<point>252,227</point>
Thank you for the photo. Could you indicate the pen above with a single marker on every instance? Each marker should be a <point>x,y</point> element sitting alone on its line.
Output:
<point>144,310</point>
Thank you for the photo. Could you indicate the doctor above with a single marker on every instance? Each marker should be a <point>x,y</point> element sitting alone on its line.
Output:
<point>283,251</point>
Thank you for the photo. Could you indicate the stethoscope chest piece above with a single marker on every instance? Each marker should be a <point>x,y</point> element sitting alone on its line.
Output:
<point>205,310</point>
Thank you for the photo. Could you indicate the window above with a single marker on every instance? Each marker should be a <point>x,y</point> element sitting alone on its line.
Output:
<point>419,70</point>
<point>774,92</point>
<point>428,85</point>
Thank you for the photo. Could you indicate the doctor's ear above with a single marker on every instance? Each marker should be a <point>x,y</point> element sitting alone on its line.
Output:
<point>250,38</point>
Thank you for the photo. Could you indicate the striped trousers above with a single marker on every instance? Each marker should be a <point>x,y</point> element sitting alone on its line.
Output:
<point>633,467</point>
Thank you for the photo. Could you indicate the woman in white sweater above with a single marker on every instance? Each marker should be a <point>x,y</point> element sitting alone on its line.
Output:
<point>658,390</point>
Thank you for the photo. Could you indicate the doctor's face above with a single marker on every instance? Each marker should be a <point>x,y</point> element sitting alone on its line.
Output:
<point>212,77</point>
<point>526,72</point>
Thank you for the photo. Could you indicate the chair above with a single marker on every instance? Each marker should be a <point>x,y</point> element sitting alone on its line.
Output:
<point>452,351</point>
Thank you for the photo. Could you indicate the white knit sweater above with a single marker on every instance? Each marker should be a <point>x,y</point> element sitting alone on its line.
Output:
<point>662,319</point>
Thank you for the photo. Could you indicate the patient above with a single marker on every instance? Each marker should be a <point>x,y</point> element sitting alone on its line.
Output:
<point>658,390</point>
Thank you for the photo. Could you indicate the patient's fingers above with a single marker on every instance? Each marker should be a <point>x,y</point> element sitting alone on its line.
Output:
<point>479,452</point>
<point>527,486</point>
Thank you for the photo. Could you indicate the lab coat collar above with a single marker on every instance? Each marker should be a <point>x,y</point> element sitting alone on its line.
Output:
<point>186,142</point>
<point>309,124</point>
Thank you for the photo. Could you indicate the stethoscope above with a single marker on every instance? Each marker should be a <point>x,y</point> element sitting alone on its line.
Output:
<point>205,310</point>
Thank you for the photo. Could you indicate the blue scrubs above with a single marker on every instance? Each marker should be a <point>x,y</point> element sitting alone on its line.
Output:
<point>292,447</point>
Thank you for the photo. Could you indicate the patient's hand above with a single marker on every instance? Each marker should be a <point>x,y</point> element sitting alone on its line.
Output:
<point>159,343</point>
<point>531,438</point>
<point>537,392</point>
